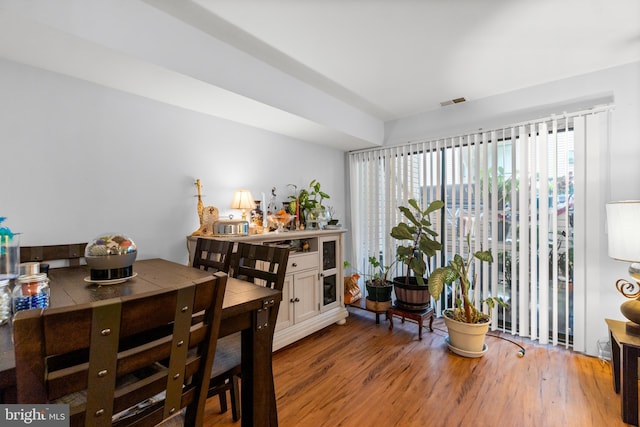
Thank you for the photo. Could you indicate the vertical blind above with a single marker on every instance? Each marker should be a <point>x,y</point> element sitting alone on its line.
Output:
<point>510,190</point>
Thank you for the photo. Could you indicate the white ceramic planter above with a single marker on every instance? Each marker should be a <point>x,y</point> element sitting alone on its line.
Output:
<point>468,338</point>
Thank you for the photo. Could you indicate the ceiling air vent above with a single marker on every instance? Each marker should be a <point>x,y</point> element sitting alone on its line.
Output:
<point>452,101</point>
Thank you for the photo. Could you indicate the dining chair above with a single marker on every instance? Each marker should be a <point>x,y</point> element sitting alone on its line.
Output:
<point>216,255</point>
<point>212,254</point>
<point>133,360</point>
<point>264,265</point>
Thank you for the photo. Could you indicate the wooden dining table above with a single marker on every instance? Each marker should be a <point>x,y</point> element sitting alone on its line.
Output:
<point>247,308</point>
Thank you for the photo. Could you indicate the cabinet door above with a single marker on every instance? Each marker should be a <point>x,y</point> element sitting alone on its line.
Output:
<point>285,312</point>
<point>330,272</point>
<point>305,295</point>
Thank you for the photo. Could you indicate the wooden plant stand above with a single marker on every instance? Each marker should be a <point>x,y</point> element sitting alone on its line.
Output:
<point>417,316</point>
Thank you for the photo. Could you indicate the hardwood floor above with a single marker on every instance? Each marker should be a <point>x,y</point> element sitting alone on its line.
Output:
<point>362,374</point>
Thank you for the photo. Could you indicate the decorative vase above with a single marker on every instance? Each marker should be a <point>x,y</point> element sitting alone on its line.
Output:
<point>110,256</point>
<point>411,296</point>
<point>466,339</point>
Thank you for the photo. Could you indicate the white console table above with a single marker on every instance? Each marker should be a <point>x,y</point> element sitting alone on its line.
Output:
<point>313,293</point>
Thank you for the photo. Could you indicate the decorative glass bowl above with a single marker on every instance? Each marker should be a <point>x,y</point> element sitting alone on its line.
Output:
<point>280,220</point>
<point>110,256</point>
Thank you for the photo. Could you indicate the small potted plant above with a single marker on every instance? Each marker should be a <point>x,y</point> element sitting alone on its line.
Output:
<point>378,287</point>
<point>467,325</point>
<point>307,205</point>
<point>333,221</point>
<point>418,243</point>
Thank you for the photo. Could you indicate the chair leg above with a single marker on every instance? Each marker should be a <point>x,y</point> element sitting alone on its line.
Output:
<point>223,401</point>
<point>234,390</point>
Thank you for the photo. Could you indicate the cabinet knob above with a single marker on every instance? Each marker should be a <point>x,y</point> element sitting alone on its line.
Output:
<point>294,264</point>
<point>296,300</point>
<point>292,300</point>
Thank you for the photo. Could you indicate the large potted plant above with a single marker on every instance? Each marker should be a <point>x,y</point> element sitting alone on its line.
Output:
<point>467,325</point>
<point>418,243</point>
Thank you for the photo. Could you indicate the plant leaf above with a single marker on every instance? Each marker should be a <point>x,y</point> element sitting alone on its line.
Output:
<point>434,206</point>
<point>409,215</point>
<point>485,256</point>
<point>418,266</point>
<point>437,281</point>
<point>404,251</point>
<point>402,231</point>
<point>429,246</point>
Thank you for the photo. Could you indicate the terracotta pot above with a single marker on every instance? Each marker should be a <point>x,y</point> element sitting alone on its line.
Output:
<point>377,306</point>
<point>412,297</point>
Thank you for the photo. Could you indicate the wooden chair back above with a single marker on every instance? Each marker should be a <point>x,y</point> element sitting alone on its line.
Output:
<point>212,254</point>
<point>147,355</point>
<point>73,253</point>
<point>264,265</point>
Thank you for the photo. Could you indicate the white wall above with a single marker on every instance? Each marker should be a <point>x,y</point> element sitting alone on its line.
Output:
<point>135,47</point>
<point>620,177</point>
<point>79,159</point>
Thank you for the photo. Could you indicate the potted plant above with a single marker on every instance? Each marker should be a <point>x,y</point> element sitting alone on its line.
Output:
<point>467,325</point>
<point>307,205</point>
<point>332,219</point>
<point>418,242</point>
<point>378,287</point>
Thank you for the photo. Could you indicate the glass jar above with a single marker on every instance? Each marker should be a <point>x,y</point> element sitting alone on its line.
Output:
<point>9,254</point>
<point>5,302</point>
<point>256,215</point>
<point>31,292</point>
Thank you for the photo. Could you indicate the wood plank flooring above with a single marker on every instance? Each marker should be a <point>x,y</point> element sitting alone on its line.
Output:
<point>362,374</point>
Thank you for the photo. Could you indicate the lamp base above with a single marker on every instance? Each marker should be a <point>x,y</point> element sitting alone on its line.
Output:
<point>633,329</point>
<point>631,310</point>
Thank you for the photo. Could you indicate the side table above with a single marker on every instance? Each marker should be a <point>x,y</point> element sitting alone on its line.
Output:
<point>417,316</point>
<point>625,350</point>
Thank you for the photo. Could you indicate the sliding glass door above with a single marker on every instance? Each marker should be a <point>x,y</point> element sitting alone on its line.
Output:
<point>510,190</point>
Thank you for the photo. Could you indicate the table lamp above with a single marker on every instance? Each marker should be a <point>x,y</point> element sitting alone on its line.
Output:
<point>243,199</point>
<point>623,227</point>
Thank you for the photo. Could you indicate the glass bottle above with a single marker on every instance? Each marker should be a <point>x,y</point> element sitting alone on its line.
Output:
<point>9,253</point>
<point>5,301</point>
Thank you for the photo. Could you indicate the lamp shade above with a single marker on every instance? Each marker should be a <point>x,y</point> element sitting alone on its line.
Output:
<point>623,228</point>
<point>242,199</point>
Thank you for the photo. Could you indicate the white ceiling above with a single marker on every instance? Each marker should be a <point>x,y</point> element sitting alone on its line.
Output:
<point>359,63</point>
<point>402,57</point>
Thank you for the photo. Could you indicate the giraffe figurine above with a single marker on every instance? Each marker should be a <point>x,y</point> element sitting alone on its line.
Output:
<point>207,216</point>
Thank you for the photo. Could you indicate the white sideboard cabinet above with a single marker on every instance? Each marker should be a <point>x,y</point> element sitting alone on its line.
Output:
<point>313,293</point>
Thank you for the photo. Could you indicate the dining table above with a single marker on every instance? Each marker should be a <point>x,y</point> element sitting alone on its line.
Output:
<point>247,308</point>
